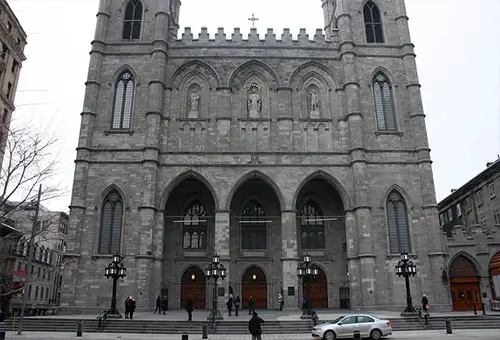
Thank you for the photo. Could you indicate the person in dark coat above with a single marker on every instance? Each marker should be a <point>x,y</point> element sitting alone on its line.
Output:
<point>127,307</point>
<point>237,302</point>
<point>131,307</point>
<point>164,305</point>
<point>251,306</point>
<point>158,305</point>
<point>229,304</point>
<point>255,327</point>
<point>190,308</point>
<point>425,302</point>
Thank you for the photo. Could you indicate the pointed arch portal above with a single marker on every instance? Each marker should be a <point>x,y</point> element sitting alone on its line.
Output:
<point>464,284</point>
<point>193,285</point>
<point>254,283</point>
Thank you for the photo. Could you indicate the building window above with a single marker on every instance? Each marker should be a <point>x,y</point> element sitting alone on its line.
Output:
<point>491,189</point>
<point>496,214</point>
<point>479,197</point>
<point>373,23</point>
<point>468,203</point>
<point>384,103</point>
<point>9,90</point>
<point>253,227</point>
<point>459,210</point>
<point>312,229</point>
<point>133,19</point>
<point>29,290</point>
<point>9,26</point>
<point>111,224</point>
<point>36,292</point>
<point>195,227</point>
<point>397,222</point>
<point>124,101</point>
<point>14,66</point>
<point>41,292</point>
<point>5,52</point>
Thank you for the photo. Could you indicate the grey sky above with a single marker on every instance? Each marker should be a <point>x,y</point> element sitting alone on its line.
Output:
<point>458,56</point>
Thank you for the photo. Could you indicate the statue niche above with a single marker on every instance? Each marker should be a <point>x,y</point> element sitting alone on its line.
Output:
<point>254,101</point>
<point>313,101</point>
<point>193,101</point>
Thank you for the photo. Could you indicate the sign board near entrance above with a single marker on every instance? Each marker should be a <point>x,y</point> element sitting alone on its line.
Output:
<point>291,291</point>
<point>220,291</point>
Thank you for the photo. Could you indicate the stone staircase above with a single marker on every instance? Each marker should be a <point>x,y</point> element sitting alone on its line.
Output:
<point>59,324</point>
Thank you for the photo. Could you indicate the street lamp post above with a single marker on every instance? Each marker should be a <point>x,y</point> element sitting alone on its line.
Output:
<point>407,268</point>
<point>115,270</point>
<point>215,271</point>
<point>307,270</point>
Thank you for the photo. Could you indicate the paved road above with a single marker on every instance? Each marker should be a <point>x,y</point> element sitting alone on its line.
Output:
<point>482,334</point>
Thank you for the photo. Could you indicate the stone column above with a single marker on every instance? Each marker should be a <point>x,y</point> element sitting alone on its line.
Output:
<point>144,255</point>
<point>357,154</point>
<point>221,248</point>
<point>289,258</point>
<point>435,247</point>
<point>76,257</point>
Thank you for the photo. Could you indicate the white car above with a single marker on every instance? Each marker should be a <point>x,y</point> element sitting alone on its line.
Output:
<point>344,327</point>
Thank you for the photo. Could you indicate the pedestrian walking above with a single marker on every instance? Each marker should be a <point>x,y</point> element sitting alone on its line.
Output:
<point>127,306</point>
<point>236,304</point>
<point>229,304</point>
<point>425,303</point>
<point>280,301</point>
<point>164,304</point>
<point>255,327</point>
<point>131,307</point>
<point>158,305</point>
<point>190,308</point>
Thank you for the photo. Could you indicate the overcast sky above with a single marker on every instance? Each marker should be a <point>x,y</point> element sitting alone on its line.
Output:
<point>458,56</point>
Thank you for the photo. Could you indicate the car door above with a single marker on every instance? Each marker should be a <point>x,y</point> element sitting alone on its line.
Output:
<point>347,326</point>
<point>365,325</point>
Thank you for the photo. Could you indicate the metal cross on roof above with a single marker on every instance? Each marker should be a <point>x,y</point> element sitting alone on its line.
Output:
<point>253,19</point>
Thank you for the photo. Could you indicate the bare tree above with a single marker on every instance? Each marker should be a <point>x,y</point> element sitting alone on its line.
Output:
<point>28,161</point>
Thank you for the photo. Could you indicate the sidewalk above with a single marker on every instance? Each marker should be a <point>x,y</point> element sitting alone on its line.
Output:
<point>483,334</point>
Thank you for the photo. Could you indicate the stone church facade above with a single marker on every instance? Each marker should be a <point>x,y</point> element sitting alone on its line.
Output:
<point>259,149</point>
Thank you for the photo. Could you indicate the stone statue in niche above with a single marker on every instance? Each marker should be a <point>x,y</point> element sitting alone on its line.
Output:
<point>254,102</point>
<point>194,105</point>
<point>314,111</point>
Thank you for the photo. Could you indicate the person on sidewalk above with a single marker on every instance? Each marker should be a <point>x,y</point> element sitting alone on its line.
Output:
<point>229,304</point>
<point>131,308</point>
<point>255,327</point>
<point>158,305</point>
<point>189,309</point>
<point>425,303</point>
<point>236,304</point>
<point>127,306</point>
<point>251,305</point>
<point>280,301</point>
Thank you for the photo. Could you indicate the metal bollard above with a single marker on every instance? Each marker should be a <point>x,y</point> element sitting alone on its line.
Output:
<point>184,337</point>
<point>204,332</point>
<point>448,327</point>
<point>357,335</point>
<point>79,328</point>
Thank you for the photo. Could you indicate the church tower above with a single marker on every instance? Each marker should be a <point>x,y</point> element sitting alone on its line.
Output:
<point>259,149</point>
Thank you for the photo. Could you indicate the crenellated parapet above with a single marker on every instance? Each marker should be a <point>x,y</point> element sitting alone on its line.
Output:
<point>474,235</point>
<point>236,38</point>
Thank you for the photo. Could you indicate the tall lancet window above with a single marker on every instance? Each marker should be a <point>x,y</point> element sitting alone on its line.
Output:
<point>384,103</point>
<point>133,20</point>
<point>373,23</point>
<point>111,224</point>
<point>397,223</point>
<point>124,101</point>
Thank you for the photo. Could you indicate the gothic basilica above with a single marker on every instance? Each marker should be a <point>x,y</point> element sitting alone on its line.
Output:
<point>259,148</point>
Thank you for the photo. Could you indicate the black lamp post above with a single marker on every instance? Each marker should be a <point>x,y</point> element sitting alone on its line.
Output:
<point>406,268</point>
<point>115,270</point>
<point>215,271</point>
<point>307,270</point>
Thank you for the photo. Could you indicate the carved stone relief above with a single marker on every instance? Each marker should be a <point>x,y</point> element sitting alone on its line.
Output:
<point>254,101</point>
<point>314,101</point>
<point>193,101</point>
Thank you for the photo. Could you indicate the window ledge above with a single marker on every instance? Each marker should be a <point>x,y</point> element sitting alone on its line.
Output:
<point>118,131</point>
<point>102,256</point>
<point>411,256</point>
<point>194,252</point>
<point>192,119</point>
<point>253,253</point>
<point>315,120</point>
<point>395,133</point>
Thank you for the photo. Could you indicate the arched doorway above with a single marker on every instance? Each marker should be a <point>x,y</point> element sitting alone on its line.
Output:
<point>319,290</point>
<point>495,276</point>
<point>254,283</point>
<point>193,285</point>
<point>464,284</point>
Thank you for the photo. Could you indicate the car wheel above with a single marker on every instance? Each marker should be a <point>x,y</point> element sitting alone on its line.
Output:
<point>329,335</point>
<point>376,334</point>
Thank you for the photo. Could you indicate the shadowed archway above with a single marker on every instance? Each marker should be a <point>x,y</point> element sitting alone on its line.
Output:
<point>254,284</point>
<point>193,285</point>
<point>465,286</point>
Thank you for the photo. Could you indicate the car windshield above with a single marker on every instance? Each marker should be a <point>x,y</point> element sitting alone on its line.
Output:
<point>337,319</point>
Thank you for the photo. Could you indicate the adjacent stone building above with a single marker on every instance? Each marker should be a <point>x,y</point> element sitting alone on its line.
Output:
<point>470,218</point>
<point>12,43</point>
<point>257,148</point>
